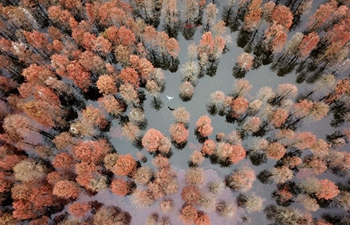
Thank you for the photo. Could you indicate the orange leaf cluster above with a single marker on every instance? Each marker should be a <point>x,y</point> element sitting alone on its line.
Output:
<point>125,165</point>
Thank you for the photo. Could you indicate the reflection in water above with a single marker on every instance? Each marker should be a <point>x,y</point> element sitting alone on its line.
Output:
<point>157,103</point>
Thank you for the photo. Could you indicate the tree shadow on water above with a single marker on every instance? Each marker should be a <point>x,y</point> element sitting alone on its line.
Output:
<point>157,103</point>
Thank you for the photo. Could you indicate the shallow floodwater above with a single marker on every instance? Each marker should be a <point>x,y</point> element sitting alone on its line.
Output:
<point>161,119</point>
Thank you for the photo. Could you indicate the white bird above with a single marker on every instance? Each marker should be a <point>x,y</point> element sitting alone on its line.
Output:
<point>169,97</point>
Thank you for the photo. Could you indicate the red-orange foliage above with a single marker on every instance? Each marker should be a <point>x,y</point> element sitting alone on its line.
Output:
<point>40,221</point>
<point>54,33</point>
<point>63,161</point>
<point>91,62</point>
<point>142,66</point>
<point>38,40</point>
<point>66,189</point>
<point>8,161</point>
<point>120,187</point>
<point>238,153</point>
<point>283,16</point>
<point>223,150</point>
<point>88,41</point>
<point>275,151</point>
<point>327,190</point>
<point>42,196</point>
<point>203,219</point>
<point>5,182</point>
<point>211,46</point>
<point>203,126</point>
<point>152,139</point>
<point>178,132</point>
<point>23,210</point>
<point>84,168</point>
<point>304,140</point>
<point>190,194</point>
<point>84,179</point>
<point>78,209</point>
<point>308,43</point>
<point>57,46</point>
<point>37,74</point>
<point>149,35</point>
<point>126,36</point>
<point>188,214</point>
<point>208,147</point>
<point>42,112</point>
<point>278,117</point>
<point>125,165</point>
<point>111,34</point>
<point>7,84</point>
<point>239,105</point>
<point>47,95</point>
<point>5,45</point>
<point>284,195</point>
<point>94,117</point>
<point>172,47</point>
<point>111,105</point>
<point>275,37</point>
<point>60,63</point>
<point>71,4</point>
<point>16,126</point>
<point>92,151</point>
<point>72,22</point>
<point>340,33</point>
<point>114,12</point>
<point>101,46</point>
<point>252,124</point>
<point>78,34</point>
<point>253,17</point>
<point>106,85</point>
<point>241,180</point>
<point>39,195</point>
<point>322,15</point>
<point>80,76</point>
<point>26,90</point>
<point>59,16</point>
<point>92,11</point>
<point>129,75</point>
<point>53,177</point>
<point>302,108</point>
<point>322,222</point>
<point>342,88</point>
